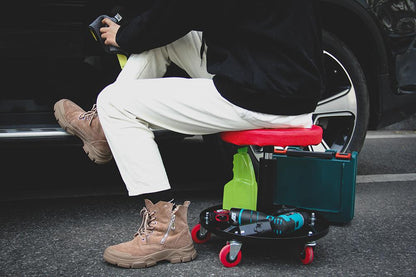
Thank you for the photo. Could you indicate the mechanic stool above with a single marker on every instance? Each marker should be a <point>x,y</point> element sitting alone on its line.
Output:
<point>268,139</point>
<point>230,255</point>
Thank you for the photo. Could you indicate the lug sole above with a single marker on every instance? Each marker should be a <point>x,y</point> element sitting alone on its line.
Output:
<point>181,255</point>
<point>91,151</point>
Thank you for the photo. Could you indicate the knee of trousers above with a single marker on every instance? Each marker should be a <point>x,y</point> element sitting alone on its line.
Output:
<point>107,101</point>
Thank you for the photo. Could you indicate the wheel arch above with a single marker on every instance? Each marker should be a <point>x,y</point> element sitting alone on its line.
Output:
<point>365,39</point>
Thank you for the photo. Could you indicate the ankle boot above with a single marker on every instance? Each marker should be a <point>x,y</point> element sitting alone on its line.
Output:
<point>162,235</point>
<point>85,125</point>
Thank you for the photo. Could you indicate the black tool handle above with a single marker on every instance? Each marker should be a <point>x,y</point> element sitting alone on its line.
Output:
<point>94,28</point>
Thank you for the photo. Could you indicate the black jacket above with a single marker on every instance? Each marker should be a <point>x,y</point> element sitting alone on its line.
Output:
<point>266,54</point>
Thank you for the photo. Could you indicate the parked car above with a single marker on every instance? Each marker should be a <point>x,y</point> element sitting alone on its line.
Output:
<point>47,54</point>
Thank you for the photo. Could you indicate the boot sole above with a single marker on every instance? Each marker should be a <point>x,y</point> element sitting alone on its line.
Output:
<point>92,153</point>
<point>181,255</point>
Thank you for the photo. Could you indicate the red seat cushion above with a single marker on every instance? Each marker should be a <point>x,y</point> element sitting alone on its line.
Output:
<point>275,137</point>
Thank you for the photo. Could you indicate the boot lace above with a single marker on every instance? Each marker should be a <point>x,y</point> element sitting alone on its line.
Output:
<point>146,226</point>
<point>89,115</point>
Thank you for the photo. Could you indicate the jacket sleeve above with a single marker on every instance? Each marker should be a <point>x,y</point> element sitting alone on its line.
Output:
<point>165,22</point>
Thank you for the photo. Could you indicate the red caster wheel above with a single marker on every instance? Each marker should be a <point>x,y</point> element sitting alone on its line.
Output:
<point>197,237</point>
<point>307,255</point>
<point>225,257</point>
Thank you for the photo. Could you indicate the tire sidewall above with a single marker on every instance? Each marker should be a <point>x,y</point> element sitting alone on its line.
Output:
<point>345,56</point>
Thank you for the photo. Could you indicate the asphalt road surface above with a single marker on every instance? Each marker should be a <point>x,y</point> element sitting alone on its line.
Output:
<point>46,231</point>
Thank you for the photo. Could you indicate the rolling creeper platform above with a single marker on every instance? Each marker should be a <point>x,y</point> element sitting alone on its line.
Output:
<point>248,214</point>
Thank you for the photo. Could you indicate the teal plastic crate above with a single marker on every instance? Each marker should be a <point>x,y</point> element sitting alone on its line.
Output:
<point>319,181</point>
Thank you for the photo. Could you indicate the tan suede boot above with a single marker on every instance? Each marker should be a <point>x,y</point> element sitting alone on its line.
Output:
<point>86,126</point>
<point>163,235</point>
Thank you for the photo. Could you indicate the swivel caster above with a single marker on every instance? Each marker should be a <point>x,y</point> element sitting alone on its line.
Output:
<point>230,255</point>
<point>200,234</point>
<point>307,255</point>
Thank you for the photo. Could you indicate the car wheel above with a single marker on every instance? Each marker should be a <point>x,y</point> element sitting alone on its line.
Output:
<point>343,111</point>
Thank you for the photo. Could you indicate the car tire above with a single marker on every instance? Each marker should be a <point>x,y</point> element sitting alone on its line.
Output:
<point>343,111</point>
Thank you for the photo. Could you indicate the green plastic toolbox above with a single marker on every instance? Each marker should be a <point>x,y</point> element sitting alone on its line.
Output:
<point>319,181</point>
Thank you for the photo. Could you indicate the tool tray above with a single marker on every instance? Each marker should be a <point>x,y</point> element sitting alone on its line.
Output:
<point>301,236</point>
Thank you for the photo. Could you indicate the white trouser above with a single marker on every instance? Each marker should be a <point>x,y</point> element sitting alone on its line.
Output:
<point>140,100</point>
